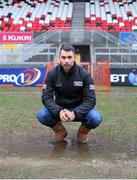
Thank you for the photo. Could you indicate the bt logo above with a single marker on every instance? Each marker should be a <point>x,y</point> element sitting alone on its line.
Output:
<point>132,77</point>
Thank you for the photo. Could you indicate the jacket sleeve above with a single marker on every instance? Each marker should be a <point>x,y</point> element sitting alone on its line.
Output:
<point>89,98</point>
<point>48,95</point>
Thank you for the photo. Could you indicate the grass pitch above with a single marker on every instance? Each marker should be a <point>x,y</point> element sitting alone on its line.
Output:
<point>18,107</point>
<point>26,150</point>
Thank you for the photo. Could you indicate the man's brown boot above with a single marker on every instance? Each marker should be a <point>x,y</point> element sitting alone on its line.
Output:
<point>60,132</point>
<point>82,134</point>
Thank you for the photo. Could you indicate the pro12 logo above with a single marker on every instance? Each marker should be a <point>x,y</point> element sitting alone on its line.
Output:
<point>25,78</point>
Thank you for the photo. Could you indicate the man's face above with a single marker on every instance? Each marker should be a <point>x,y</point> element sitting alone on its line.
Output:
<point>67,59</point>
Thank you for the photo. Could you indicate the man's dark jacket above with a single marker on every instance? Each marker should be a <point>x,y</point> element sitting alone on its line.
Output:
<point>73,90</point>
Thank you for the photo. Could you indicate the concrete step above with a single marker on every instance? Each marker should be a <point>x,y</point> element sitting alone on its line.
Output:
<point>78,21</point>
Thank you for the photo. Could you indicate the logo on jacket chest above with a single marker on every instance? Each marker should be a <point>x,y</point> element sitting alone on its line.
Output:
<point>78,83</point>
<point>59,84</point>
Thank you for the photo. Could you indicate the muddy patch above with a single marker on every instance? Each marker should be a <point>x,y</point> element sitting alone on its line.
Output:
<point>36,155</point>
<point>42,146</point>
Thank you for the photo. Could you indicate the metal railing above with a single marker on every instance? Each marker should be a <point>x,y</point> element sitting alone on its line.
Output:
<point>48,42</point>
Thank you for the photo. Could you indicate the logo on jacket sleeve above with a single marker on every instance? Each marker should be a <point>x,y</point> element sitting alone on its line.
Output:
<point>45,86</point>
<point>91,87</point>
<point>78,83</point>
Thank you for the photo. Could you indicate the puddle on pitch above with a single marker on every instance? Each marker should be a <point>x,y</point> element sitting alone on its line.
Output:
<point>23,146</point>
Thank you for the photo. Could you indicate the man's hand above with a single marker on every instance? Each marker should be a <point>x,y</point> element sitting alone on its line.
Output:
<point>66,115</point>
<point>63,116</point>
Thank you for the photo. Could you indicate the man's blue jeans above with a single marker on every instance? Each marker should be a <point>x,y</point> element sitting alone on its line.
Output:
<point>92,119</point>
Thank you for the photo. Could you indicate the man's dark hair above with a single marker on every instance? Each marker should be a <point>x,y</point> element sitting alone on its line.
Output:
<point>67,47</point>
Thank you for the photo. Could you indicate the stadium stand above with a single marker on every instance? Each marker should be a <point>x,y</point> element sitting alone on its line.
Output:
<point>111,15</point>
<point>83,23</point>
<point>44,15</point>
<point>37,15</point>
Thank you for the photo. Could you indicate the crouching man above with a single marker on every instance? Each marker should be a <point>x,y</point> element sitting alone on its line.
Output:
<point>69,95</point>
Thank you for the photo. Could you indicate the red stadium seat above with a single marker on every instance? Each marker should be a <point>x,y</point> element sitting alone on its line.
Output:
<point>36,15</point>
<point>111,15</point>
<point>43,15</point>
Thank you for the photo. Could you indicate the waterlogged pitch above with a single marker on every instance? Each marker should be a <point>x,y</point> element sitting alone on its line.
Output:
<point>27,149</point>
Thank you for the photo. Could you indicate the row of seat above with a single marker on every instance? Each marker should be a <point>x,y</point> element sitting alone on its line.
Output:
<point>21,16</point>
<point>43,15</point>
<point>111,15</point>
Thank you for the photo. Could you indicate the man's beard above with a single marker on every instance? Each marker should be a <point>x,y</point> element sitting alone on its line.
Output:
<point>66,67</point>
